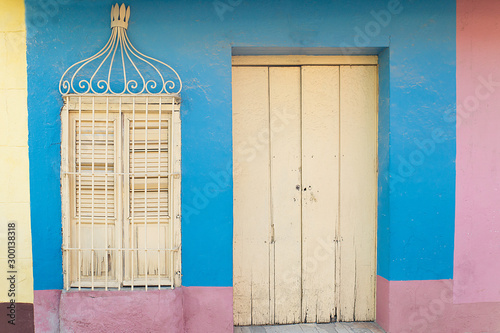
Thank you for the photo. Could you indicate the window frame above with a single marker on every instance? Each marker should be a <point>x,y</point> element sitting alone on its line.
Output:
<point>121,109</point>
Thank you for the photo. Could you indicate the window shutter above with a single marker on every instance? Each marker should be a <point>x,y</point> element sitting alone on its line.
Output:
<point>94,162</point>
<point>149,197</point>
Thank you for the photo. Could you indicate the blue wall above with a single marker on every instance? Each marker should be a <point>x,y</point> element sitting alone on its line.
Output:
<point>416,217</point>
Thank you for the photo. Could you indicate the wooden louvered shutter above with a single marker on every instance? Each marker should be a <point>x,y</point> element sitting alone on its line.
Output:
<point>94,200</point>
<point>148,139</point>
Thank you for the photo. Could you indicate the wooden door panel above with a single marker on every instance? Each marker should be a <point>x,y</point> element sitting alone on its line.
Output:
<point>358,192</point>
<point>320,183</point>
<point>284,90</point>
<point>252,211</point>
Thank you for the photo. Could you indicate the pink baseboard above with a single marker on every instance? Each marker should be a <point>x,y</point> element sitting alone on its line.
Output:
<point>428,307</point>
<point>121,311</point>
<point>46,310</point>
<point>382,300</point>
<point>185,309</point>
<point>208,310</point>
<point>402,307</point>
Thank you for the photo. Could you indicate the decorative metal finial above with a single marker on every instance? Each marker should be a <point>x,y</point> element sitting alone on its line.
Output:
<point>118,68</point>
<point>120,16</point>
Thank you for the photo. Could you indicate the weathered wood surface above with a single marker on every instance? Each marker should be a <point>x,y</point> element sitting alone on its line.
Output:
<point>305,166</point>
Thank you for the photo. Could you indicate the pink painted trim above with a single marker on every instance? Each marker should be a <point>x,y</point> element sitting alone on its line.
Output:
<point>427,307</point>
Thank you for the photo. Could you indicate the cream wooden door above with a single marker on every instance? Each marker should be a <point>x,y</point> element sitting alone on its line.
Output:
<point>305,191</point>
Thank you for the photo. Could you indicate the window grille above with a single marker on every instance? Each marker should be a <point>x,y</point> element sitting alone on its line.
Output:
<point>120,171</point>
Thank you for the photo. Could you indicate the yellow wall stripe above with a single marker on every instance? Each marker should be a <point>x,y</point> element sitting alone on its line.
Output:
<point>14,170</point>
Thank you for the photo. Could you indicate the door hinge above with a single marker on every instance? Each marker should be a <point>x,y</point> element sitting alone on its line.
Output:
<point>272,233</point>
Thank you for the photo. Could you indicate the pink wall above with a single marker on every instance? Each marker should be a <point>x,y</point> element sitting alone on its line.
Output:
<point>477,233</point>
<point>185,309</point>
<point>428,307</point>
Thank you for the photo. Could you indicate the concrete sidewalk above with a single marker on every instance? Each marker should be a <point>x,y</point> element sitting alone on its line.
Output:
<point>359,327</point>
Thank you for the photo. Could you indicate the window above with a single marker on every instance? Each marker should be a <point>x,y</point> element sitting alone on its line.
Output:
<point>121,191</point>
